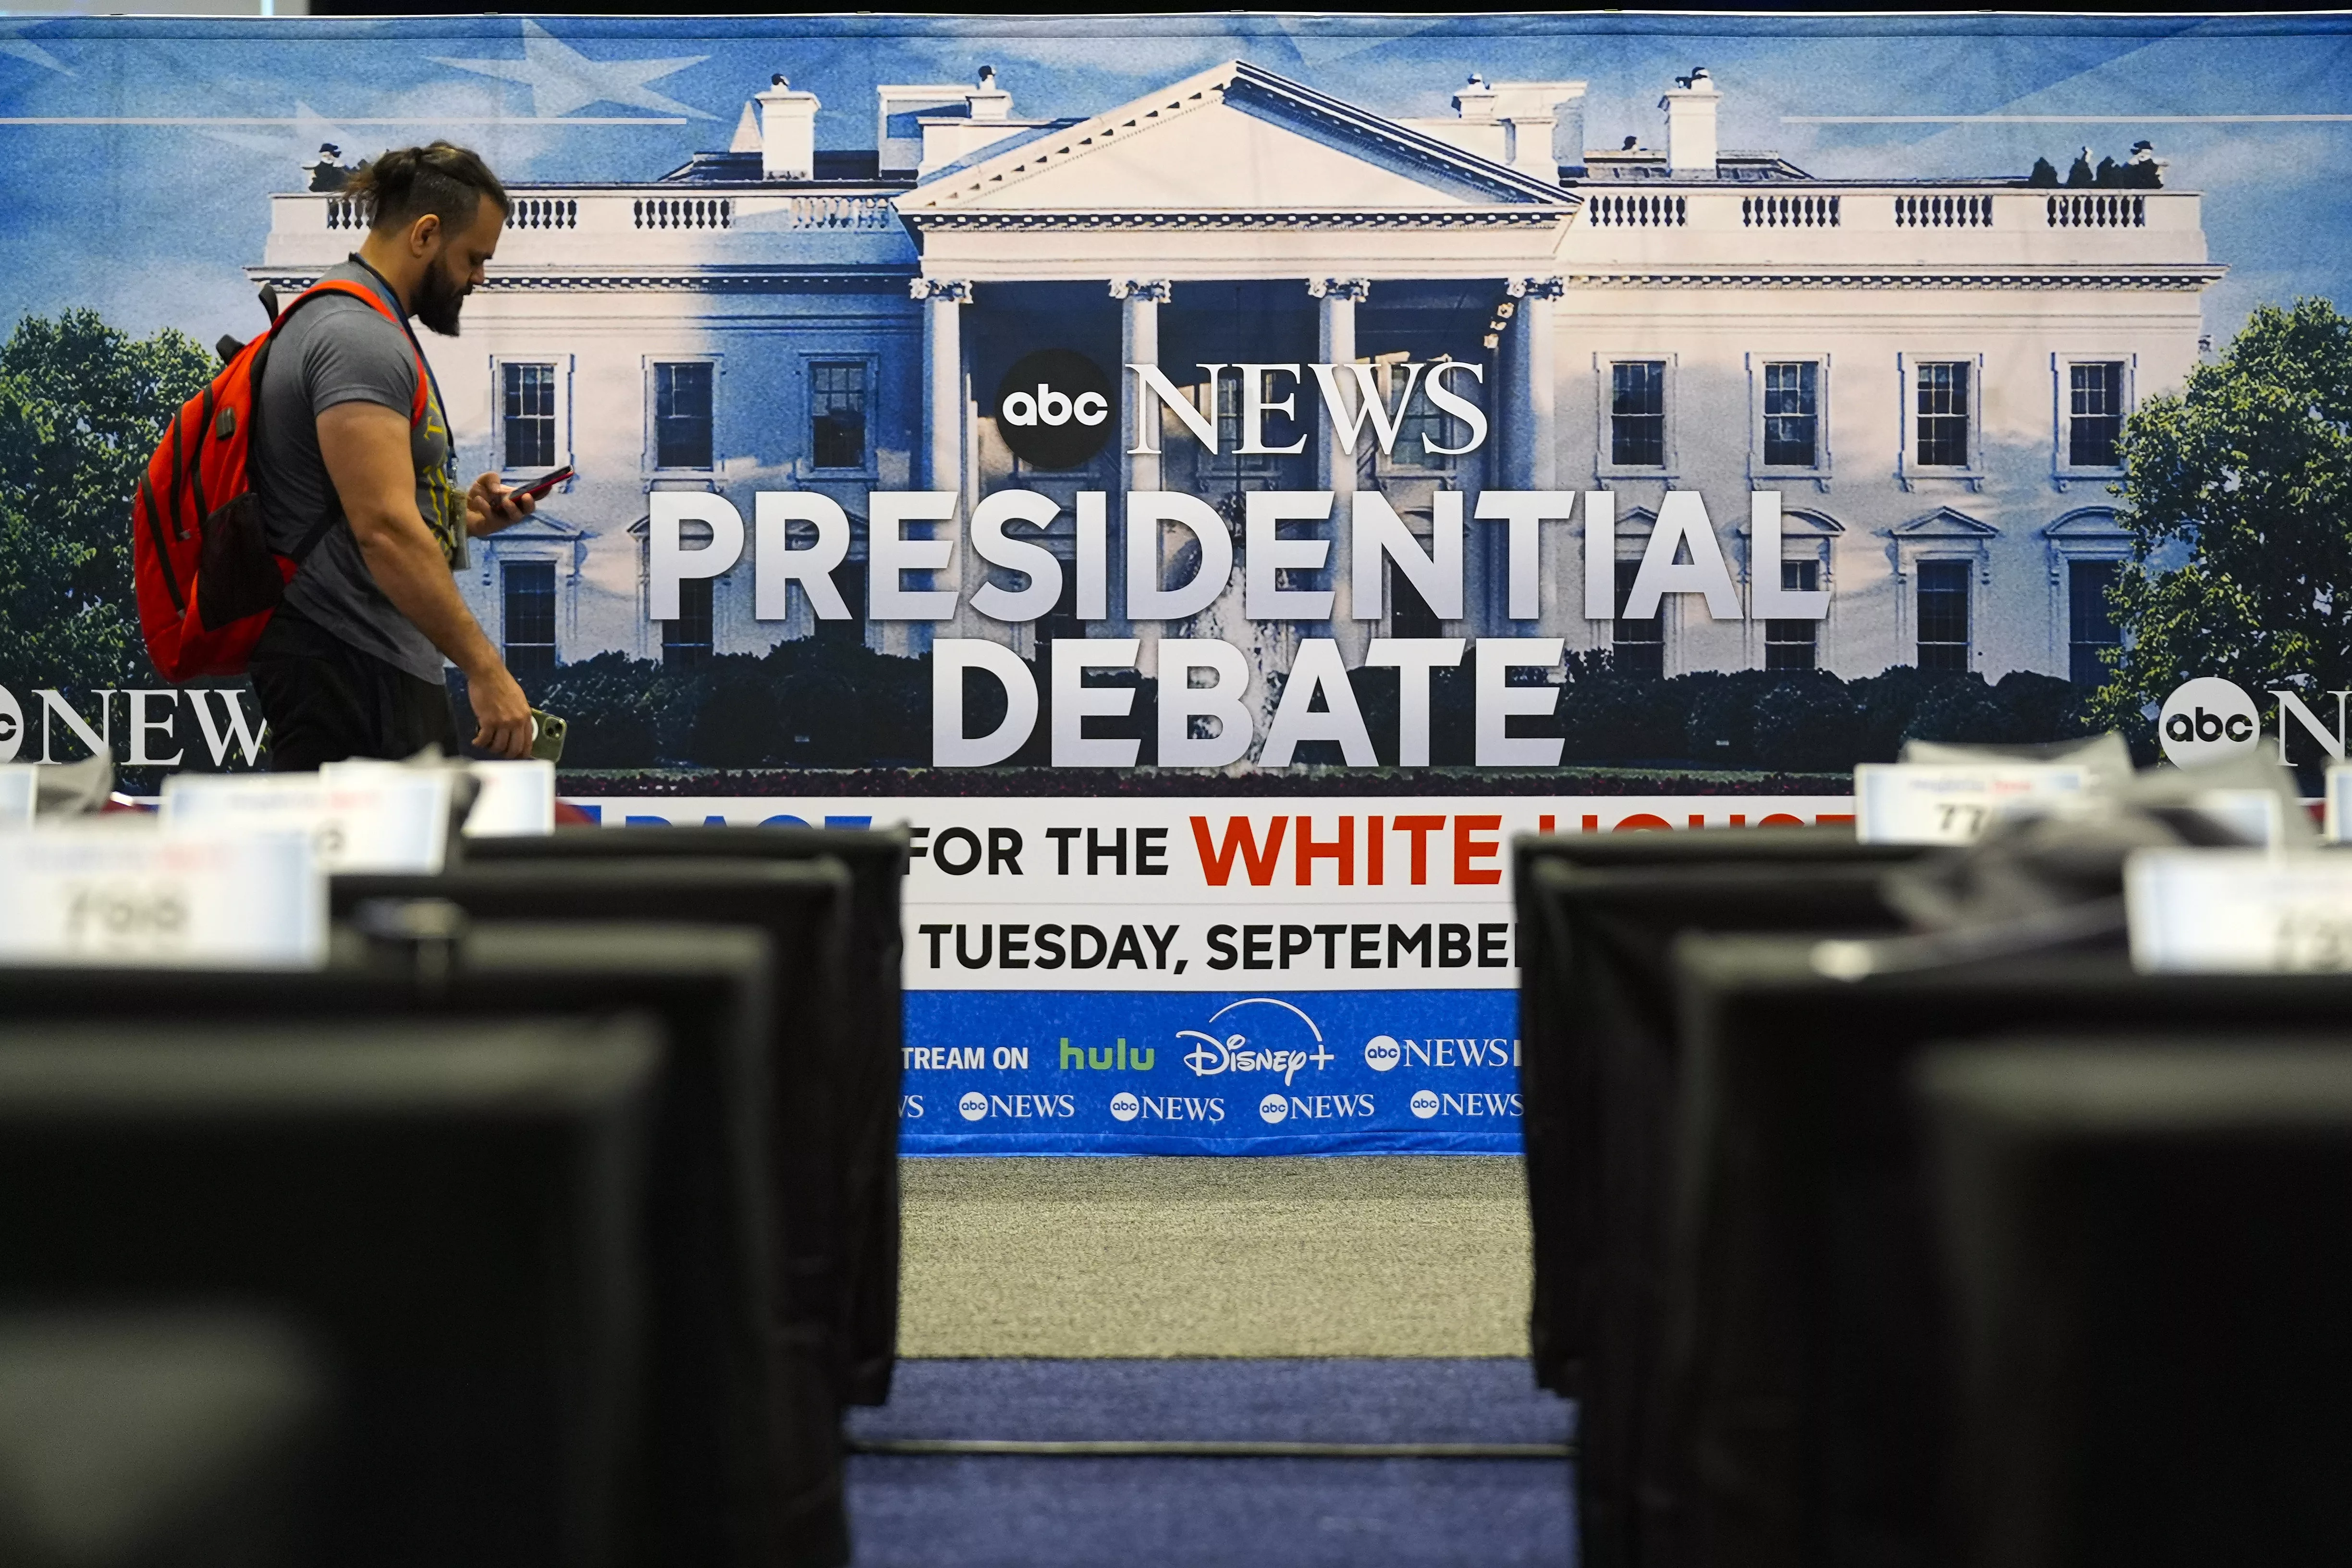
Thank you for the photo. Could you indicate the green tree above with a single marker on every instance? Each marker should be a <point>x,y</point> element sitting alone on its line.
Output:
<point>81,406</point>
<point>2239,497</point>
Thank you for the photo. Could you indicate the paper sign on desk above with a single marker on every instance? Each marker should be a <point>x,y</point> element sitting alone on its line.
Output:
<point>1949,803</point>
<point>2238,912</point>
<point>142,896</point>
<point>517,798</point>
<point>378,821</point>
<point>2337,827</point>
<point>19,785</point>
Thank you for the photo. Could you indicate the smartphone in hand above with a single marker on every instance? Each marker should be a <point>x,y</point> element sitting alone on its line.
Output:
<point>540,486</point>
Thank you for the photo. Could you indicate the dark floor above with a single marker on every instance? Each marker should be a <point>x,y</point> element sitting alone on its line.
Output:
<point>963,1511</point>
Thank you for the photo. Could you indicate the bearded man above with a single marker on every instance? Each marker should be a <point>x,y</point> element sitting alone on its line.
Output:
<point>357,477</point>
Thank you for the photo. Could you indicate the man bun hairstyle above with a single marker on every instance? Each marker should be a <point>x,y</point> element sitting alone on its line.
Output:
<point>406,184</point>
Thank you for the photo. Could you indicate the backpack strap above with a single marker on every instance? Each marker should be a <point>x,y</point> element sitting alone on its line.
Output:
<point>417,404</point>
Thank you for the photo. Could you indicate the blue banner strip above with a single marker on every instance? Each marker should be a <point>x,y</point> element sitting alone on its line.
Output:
<point>1156,1072</point>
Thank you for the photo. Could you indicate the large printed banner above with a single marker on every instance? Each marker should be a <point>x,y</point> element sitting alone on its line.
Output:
<point>1308,974</point>
<point>1218,477</point>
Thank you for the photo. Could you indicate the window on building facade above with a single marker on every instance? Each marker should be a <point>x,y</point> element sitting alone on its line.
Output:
<point>527,398</point>
<point>837,413</point>
<point>1943,414</point>
<point>1279,429</point>
<point>1639,647</point>
<point>849,582</point>
<point>1409,613</point>
<point>682,433</point>
<point>687,641</point>
<point>1422,428</point>
<point>2094,414</point>
<point>1061,623</point>
<point>1794,645</point>
<point>1792,414</point>
<point>2090,621</point>
<point>1637,414</point>
<point>528,617</point>
<point>1944,615</point>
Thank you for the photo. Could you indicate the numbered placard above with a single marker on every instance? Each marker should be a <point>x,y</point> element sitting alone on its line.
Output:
<point>2256,816</point>
<point>139,896</point>
<point>2238,912</point>
<point>19,788</point>
<point>2337,825</point>
<point>1950,803</point>
<point>517,798</point>
<point>378,820</point>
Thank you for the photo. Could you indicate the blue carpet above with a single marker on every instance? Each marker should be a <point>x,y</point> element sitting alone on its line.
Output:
<point>1063,1513</point>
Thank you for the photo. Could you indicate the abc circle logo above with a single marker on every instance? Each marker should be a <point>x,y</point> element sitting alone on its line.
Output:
<point>1054,408</point>
<point>1382,1052</point>
<point>1425,1104</point>
<point>1273,1109</point>
<point>974,1106</point>
<point>2208,720</point>
<point>12,725</point>
<point>1124,1106</point>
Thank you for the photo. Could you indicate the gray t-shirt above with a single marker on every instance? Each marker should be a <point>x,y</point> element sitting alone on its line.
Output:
<point>334,350</point>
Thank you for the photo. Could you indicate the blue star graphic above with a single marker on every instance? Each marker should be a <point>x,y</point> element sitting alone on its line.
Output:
<point>563,79</point>
<point>16,45</point>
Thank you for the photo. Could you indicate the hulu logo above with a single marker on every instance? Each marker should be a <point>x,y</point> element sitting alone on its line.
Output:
<point>1114,1059</point>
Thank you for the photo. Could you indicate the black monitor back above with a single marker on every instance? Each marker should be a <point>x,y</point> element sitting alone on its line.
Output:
<point>1812,844</point>
<point>868,1136</point>
<point>2149,1242</point>
<point>723,1427</point>
<point>1806,1327</point>
<point>802,908</point>
<point>161,1435</point>
<point>1599,1075</point>
<point>444,1213</point>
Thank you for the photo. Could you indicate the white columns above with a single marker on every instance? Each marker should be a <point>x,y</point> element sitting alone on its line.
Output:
<point>943,417</point>
<point>1335,469</point>
<point>1139,300</point>
<point>944,299</point>
<point>1138,343</point>
<point>1530,388</point>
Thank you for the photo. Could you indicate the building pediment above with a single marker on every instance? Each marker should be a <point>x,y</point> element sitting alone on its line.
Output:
<point>540,528</point>
<point>1799,522</point>
<point>1233,143</point>
<point>2089,523</point>
<point>1946,522</point>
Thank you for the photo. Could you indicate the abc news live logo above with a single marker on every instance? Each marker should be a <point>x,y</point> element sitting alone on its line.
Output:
<point>2212,720</point>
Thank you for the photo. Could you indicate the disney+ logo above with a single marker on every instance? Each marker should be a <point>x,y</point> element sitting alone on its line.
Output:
<point>1234,1051</point>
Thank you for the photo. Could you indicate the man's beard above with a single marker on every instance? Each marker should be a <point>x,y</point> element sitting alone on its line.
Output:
<point>438,301</point>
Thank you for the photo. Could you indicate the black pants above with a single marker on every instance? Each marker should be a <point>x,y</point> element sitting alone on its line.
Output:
<point>326,700</point>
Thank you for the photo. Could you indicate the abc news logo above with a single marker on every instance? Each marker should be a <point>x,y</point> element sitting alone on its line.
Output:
<point>1053,410</point>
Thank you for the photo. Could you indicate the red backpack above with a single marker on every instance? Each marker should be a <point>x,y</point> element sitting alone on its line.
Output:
<point>206,577</point>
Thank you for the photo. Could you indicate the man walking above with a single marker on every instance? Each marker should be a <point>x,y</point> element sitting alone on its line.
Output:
<point>351,664</point>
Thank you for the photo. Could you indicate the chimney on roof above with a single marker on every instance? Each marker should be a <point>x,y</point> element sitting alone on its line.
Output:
<point>1542,121</point>
<point>787,131</point>
<point>1474,103</point>
<point>1690,106</point>
<point>987,101</point>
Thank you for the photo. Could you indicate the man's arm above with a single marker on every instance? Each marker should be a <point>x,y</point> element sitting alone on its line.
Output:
<point>365,446</point>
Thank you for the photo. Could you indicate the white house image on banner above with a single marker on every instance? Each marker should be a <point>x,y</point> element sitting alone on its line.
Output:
<point>1931,373</point>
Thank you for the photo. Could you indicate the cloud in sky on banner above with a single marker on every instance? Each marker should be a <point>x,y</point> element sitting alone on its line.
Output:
<point>596,98</point>
<point>562,79</point>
